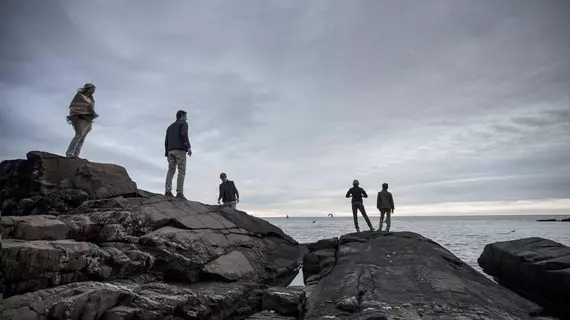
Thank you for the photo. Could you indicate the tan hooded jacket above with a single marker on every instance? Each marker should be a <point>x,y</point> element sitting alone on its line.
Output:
<point>82,106</point>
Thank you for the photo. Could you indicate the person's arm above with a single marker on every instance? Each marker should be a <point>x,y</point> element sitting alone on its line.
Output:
<point>364,193</point>
<point>184,135</point>
<point>378,201</point>
<point>221,193</point>
<point>392,202</point>
<point>237,192</point>
<point>166,145</point>
<point>349,193</point>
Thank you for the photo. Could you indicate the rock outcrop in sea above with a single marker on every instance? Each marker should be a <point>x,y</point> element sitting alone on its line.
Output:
<point>81,241</point>
<point>401,275</point>
<point>536,268</point>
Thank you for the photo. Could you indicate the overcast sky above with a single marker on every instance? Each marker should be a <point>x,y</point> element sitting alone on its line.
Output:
<point>461,106</point>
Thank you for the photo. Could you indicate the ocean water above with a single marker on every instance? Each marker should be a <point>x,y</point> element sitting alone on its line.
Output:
<point>464,236</point>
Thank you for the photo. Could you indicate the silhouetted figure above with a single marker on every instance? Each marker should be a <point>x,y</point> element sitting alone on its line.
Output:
<point>287,217</point>
<point>81,116</point>
<point>385,203</point>
<point>176,146</point>
<point>357,193</point>
<point>229,194</point>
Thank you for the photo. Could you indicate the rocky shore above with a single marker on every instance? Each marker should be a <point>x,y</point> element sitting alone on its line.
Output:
<point>81,241</point>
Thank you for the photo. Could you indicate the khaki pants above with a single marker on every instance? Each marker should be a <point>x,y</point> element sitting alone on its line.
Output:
<point>230,204</point>
<point>359,206</point>
<point>176,158</point>
<point>82,127</point>
<point>385,213</point>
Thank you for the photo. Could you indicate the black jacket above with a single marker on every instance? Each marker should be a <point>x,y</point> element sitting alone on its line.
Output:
<point>228,191</point>
<point>357,194</point>
<point>177,137</point>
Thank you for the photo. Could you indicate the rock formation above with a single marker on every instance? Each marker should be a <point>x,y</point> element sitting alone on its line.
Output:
<point>80,241</point>
<point>536,268</point>
<point>384,275</point>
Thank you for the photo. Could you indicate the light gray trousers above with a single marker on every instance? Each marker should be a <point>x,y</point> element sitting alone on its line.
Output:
<point>176,159</point>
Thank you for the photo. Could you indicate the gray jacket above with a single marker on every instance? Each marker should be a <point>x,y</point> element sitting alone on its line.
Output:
<point>385,200</point>
<point>177,137</point>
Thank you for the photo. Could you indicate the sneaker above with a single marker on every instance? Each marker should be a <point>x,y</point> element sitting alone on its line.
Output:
<point>372,229</point>
<point>169,194</point>
<point>180,196</point>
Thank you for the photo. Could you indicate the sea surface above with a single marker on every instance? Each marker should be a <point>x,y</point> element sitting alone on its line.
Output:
<point>464,236</point>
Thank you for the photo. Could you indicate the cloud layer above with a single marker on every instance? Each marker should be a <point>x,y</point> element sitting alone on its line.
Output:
<point>459,105</point>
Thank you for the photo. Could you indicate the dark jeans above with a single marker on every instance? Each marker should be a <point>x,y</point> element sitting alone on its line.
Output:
<point>359,206</point>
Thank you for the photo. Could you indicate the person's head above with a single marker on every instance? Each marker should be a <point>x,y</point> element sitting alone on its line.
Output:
<point>355,183</point>
<point>223,176</point>
<point>181,115</point>
<point>89,89</point>
<point>384,186</point>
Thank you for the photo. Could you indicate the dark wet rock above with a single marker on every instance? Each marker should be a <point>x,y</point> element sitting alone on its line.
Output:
<point>565,220</point>
<point>536,268</point>
<point>284,301</point>
<point>40,227</point>
<point>269,315</point>
<point>127,300</point>
<point>402,275</point>
<point>46,183</point>
<point>319,260</point>
<point>33,265</point>
<point>546,220</point>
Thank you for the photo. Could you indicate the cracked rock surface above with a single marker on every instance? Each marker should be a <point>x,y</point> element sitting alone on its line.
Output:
<point>401,275</point>
<point>79,241</point>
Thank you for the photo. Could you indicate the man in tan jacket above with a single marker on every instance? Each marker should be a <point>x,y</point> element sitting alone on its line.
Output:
<point>81,116</point>
<point>385,203</point>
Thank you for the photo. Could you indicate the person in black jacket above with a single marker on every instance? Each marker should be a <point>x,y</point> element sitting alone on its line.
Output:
<point>176,146</point>
<point>229,194</point>
<point>357,193</point>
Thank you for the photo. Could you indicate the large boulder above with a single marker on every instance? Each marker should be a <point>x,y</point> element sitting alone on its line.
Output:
<point>46,183</point>
<point>383,275</point>
<point>536,268</point>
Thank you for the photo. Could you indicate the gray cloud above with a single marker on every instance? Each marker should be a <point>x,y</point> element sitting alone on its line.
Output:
<point>449,101</point>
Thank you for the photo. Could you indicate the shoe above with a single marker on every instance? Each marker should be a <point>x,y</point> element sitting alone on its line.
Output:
<point>180,196</point>
<point>169,194</point>
<point>372,229</point>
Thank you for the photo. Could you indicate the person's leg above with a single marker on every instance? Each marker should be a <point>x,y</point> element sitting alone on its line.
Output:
<point>181,161</point>
<point>354,208</point>
<point>170,174</point>
<point>388,219</point>
<point>381,219</point>
<point>363,212</point>
<point>80,143</point>
<point>79,126</point>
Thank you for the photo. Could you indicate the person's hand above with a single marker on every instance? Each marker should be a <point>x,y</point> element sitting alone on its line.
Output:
<point>392,210</point>
<point>189,152</point>
<point>166,154</point>
<point>219,202</point>
<point>237,200</point>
